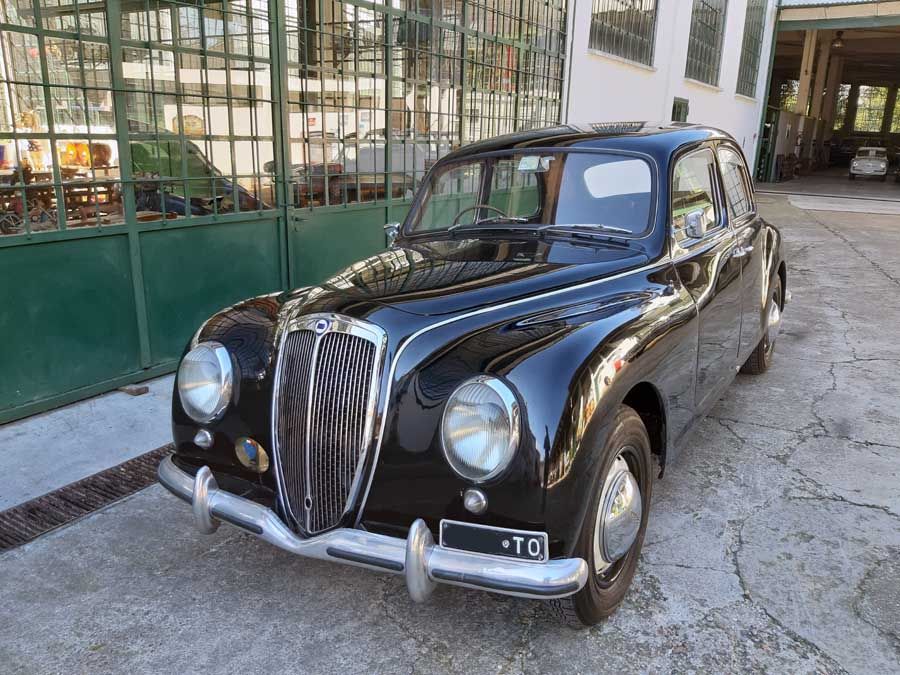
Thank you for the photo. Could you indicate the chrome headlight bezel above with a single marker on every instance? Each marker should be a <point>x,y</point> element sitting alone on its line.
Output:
<point>511,409</point>
<point>224,381</point>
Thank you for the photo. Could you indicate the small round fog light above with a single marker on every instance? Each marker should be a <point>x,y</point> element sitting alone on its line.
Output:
<point>475,501</point>
<point>251,454</point>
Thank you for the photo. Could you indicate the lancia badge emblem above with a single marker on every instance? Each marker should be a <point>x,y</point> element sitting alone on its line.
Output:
<point>322,325</point>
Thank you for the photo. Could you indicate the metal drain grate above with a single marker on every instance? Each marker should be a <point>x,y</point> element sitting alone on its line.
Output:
<point>27,521</point>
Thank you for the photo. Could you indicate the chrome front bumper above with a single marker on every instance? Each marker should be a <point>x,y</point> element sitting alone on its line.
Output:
<point>418,558</point>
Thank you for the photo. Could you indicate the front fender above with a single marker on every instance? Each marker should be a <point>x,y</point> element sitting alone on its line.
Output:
<point>570,365</point>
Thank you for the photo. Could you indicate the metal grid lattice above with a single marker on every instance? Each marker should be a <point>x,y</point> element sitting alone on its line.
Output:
<point>704,55</point>
<point>625,28</point>
<point>751,48</point>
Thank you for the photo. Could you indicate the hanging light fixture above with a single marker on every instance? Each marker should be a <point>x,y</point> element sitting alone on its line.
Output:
<point>838,42</point>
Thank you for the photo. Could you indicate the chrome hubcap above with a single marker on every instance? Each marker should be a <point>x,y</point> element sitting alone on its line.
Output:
<point>774,322</point>
<point>619,516</point>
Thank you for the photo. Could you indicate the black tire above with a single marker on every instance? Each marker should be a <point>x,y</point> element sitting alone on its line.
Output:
<point>852,177</point>
<point>604,592</point>
<point>883,178</point>
<point>761,358</point>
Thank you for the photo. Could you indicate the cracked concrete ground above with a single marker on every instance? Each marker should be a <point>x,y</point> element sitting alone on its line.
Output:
<point>774,541</point>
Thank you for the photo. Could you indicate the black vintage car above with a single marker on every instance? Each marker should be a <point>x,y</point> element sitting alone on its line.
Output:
<point>488,402</point>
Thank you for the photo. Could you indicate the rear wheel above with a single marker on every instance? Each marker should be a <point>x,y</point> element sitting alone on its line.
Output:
<point>761,357</point>
<point>613,532</point>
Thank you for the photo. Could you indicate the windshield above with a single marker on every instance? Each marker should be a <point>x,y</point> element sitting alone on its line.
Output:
<point>609,193</point>
<point>872,152</point>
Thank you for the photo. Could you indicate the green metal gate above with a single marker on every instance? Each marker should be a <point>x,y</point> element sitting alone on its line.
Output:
<point>160,160</point>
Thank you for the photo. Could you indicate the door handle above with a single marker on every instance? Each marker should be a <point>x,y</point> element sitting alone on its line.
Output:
<point>741,251</point>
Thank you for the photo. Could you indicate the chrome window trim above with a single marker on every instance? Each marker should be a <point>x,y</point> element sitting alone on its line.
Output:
<point>661,263</point>
<point>338,324</point>
<point>745,177</point>
<point>689,247</point>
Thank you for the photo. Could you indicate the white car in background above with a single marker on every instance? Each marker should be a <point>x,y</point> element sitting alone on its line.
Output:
<point>869,162</point>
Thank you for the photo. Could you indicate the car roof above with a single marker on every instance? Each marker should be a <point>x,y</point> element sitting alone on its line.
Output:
<point>658,137</point>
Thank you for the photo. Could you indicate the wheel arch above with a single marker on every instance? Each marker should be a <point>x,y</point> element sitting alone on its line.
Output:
<point>645,399</point>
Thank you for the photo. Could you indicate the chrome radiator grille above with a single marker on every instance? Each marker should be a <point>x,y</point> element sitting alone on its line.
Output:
<point>323,414</point>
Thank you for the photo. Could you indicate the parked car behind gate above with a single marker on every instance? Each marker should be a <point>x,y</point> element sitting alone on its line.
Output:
<point>488,402</point>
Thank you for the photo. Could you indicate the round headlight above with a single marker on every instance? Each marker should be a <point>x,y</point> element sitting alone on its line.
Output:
<point>480,428</point>
<point>205,381</point>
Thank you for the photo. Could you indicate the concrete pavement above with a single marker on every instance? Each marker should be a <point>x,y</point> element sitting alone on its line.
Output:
<point>835,181</point>
<point>774,541</point>
<point>78,440</point>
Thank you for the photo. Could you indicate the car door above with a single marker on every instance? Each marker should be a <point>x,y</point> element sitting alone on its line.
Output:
<point>750,245</point>
<point>703,247</point>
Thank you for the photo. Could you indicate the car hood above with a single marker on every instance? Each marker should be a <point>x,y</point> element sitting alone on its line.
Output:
<point>442,277</point>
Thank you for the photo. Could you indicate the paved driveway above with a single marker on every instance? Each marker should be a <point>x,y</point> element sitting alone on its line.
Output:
<point>774,542</point>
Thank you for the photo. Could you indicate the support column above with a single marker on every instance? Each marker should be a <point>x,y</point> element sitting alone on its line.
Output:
<point>822,65</point>
<point>829,106</point>
<point>816,131</point>
<point>829,103</point>
<point>806,71</point>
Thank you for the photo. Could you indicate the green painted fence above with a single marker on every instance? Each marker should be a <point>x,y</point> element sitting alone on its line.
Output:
<point>160,160</point>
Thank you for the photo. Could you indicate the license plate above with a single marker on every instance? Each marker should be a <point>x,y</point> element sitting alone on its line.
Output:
<point>497,541</point>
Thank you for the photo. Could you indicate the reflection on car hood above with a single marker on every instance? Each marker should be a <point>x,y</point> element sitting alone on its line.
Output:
<point>452,276</point>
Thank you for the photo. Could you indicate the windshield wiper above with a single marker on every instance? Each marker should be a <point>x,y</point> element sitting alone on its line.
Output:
<point>587,229</point>
<point>495,224</point>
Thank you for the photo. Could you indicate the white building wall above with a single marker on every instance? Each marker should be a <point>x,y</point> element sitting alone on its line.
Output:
<point>605,88</point>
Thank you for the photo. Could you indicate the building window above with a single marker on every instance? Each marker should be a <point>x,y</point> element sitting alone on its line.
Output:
<point>625,28</point>
<point>895,120</point>
<point>870,108</point>
<point>199,104</point>
<point>59,155</point>
<point>680,109</point>
<point>787,95</point>
<point>705,41</point>
<point>751,49</point>
<point>375,99</point>
<point>840,111</point>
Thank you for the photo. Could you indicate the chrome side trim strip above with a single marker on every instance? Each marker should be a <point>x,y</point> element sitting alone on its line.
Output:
<point>422,563</point>
<point>658,265</point>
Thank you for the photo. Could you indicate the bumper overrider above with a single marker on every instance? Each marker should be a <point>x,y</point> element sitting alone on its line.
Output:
<point>418,558</point>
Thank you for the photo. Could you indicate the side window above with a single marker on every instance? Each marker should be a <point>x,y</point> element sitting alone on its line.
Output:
<point>734,178</point>
<point>692,191</point>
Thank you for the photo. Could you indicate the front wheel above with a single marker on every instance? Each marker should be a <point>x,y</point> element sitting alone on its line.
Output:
<point>761,358</point>
<point>613,531</point>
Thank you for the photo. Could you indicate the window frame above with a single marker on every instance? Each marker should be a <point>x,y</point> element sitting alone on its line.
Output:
<point>697,49</point>
<point>682,104</point>
<point>681,248</point>
<point>626,50</point>
<point>751,56</point>
<point>748,186</point>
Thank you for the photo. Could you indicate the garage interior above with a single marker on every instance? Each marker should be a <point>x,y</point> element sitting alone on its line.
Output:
<point>832,91</point>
